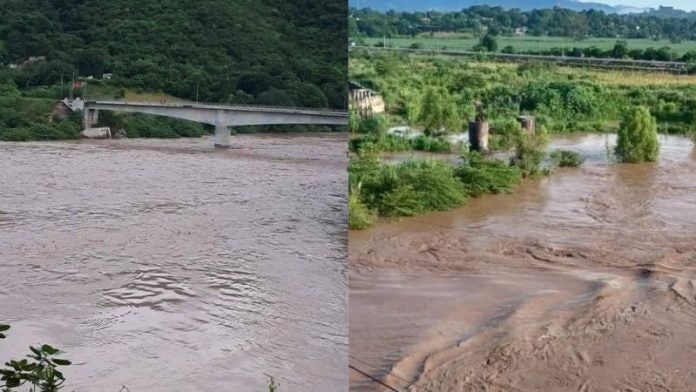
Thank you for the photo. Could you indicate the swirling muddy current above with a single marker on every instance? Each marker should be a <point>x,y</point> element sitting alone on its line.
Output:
<point>582,281</point>
<point>168,265</point>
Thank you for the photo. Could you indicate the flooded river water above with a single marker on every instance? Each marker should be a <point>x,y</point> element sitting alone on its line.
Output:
<point>582,281</point>
<point>167,265</point>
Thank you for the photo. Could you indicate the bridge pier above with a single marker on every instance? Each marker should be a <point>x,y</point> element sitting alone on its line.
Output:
<point>90,118</point>
<point>222,136</point>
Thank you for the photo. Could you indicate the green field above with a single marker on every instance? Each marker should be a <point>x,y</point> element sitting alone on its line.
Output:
<point>526,43</point>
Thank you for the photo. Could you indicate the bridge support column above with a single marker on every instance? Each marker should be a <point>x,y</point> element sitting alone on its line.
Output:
<point>90,118</point>
<point>222,135</point>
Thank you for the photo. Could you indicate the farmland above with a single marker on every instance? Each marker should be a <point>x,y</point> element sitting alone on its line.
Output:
<point>463,41</point>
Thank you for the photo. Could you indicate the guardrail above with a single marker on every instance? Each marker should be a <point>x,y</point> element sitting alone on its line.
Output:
<point>201,105</point>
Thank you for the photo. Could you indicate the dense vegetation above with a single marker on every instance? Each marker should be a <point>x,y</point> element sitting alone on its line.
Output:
<point>561,99</point>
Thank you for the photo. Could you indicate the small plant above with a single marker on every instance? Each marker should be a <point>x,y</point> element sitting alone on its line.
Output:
<point>359,215</point>
<point>565,158</point>
<point>272,385</point>
<point>41,372</point>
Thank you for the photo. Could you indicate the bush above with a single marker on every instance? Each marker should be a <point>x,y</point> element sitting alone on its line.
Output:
<point>565,158</point>
<point>16,135</point>
<point>637,138</point>
<point>375,124</point>
<point>431,144</point>
<point>48,131</point>
<point>529,152</point>
<point>481,176</point>
<point>359,216</point>
<point>412,187</point>
<point>504,135</point>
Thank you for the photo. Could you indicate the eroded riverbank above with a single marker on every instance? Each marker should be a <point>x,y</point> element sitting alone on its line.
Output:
<point>581,281</point>
<point>167,265</point>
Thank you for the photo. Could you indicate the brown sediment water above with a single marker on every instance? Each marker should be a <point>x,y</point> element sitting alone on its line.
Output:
<point>582,281</point>
<point>168,265</point>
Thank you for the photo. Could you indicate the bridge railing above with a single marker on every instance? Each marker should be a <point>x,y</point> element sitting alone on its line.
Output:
<point>217,105</point>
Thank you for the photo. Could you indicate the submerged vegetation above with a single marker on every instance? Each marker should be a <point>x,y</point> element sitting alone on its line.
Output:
<point>417,186</point>
<point>565,158</point>
<point>637,138</point>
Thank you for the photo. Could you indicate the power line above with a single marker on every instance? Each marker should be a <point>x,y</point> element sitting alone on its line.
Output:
<point>375,379</point>
<point>409,383</point>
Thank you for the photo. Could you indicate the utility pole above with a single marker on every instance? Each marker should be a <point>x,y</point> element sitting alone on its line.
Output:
<point>61,87</point>
<point>72,86</point>
<point>197,86</point>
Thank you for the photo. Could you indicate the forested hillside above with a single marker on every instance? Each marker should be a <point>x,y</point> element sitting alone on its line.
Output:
<point>243,51</point>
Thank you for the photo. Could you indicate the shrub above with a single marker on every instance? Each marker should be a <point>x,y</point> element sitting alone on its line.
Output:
<point>359,215</point>
<point>565,158</point>
<point>432,144</point>
<point>504,134</point>
<point>412,187</point>
<point>375,124</point>
<point>529,152</point>
<point>481,176</point>
<point>637,138</point>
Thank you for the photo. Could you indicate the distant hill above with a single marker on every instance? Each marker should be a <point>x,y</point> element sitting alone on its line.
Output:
<point>455,5</point>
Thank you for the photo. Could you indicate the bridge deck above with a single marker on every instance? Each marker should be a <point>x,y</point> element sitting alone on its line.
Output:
<point>209,106</point>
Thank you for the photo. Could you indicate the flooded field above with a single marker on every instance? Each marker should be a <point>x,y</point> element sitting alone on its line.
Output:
<point>167,265</point>
<point>582,281</point>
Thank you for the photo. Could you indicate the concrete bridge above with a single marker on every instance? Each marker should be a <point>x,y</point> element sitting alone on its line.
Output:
<point>221,116</point>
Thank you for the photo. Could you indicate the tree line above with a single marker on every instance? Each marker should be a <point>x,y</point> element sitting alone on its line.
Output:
<point>557,22</point>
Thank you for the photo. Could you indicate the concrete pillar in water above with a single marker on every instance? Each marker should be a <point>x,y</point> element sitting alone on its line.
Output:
<point>222,135</point>
<point>478,136</point>
<point>222,130</point>
<point>528,124</point>
<point>95,118</point>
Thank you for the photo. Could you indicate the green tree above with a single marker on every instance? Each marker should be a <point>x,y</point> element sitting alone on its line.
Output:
<point>637,138</point>
<point>488,43</point>
<point>438,111</point>
<point>620,50</point>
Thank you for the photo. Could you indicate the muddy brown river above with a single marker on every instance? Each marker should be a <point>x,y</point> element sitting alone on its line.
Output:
<point>582,281</point>
<point>167,265</point>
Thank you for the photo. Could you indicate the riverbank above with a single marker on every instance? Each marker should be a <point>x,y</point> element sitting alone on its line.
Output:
<point>592,292</point>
